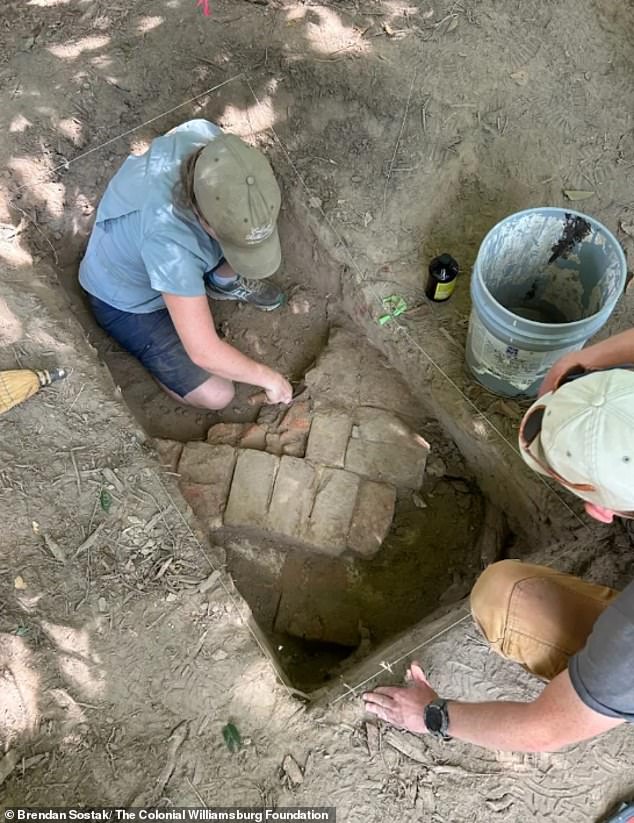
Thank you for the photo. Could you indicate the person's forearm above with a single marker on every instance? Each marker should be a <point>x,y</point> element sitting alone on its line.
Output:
<point>226,361</point>
<point>501,725</point>
<point>615,351</point>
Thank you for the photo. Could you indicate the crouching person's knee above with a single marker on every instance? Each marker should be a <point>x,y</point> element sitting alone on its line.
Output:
<point>491,596</point>
<point>214,394</point>
<point>223,395</point>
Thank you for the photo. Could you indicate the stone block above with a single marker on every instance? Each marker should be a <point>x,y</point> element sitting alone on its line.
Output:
<point>273,443</point>
<point>293,442</point>
<point>251,488</point>
<point>254,437</point>
<point>202,463</point>
<point>379,426</point>
<point>401,465</point>
<point>225,434</point>
<point>205,478</point>
<point>169,452</point>
<point>372,518</point>
<point>328,438</point>
<point>206,500</point>
<point>298,417</point>
<point>293,496</point>
<point>332,512</point>
<point>316,603</point>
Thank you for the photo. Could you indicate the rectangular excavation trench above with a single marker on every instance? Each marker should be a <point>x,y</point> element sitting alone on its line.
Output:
<point>328,609</point>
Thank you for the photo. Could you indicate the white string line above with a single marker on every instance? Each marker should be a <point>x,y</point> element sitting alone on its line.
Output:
<point>234,600</point>
<point>352,690</point>
<point>363,278</point>
<point>398,140</point>
<point>81,156</point>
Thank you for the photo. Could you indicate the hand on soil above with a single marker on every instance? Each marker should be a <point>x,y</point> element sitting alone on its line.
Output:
<point>279,390</point>
<point>403,707</point>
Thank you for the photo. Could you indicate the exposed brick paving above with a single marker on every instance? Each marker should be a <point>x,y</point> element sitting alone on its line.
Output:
<point>340,497</point>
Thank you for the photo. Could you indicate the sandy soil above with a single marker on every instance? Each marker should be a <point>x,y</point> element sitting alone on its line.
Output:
<point>413,128</point>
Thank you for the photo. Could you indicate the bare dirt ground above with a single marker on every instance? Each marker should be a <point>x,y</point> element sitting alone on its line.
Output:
<point>404,130</point>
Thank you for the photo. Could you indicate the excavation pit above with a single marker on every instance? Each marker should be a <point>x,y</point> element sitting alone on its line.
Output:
<point>347,539</point>
<point>320,609</point>
<point>346,517</point>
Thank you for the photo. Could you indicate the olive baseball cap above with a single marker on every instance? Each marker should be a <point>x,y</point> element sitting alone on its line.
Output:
<point>237,194</point>
<point>582,435</point>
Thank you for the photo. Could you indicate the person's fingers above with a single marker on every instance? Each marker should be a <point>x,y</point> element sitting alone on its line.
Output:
<point>548,383</point>
<point>391,691</point>
<point>379,711</point>
<point>557,374</point>
<point>417,674</point>
<point>258,399</point>
<point>372,698</point>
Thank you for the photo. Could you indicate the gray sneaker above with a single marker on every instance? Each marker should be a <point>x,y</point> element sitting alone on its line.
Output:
<point>258,293</point>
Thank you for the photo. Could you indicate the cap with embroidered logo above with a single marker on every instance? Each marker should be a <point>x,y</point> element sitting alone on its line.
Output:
<point>238,196</point>
<point>582,435</point>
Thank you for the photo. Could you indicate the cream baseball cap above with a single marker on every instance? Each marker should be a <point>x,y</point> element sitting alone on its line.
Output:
<point>582,435</point>
<point>237,194</point>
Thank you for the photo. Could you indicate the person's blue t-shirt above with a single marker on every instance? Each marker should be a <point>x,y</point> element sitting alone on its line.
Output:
<point>143,243</point>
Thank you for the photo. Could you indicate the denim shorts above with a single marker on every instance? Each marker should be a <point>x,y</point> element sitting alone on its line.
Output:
<point>153,340</point>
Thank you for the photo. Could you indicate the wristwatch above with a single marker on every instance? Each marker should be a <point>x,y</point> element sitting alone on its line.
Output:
<point>436,718</point>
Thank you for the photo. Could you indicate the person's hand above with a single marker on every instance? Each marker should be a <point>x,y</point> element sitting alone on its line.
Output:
<point>558,370</point>
<point>278,390</point>
<point>403,707</point>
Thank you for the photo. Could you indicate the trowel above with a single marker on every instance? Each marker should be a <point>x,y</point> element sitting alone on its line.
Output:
<point>299,390</point>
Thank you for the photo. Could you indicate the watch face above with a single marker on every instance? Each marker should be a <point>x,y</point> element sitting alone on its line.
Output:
<point>433,718</point>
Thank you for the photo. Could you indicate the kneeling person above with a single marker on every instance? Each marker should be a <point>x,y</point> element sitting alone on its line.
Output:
<point>192,218</point>
<point>575,634</point>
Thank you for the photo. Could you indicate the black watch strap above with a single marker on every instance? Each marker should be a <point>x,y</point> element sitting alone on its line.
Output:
<point>436,718</point>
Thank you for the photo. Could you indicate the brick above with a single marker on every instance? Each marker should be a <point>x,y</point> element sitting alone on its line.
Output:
<point>332,512</point>
<point>379,426</point>
<point>251,488</point>
<point>372,518</point>
<point>206,500</point>
<point>202,463</point>
<point>298,417</point>
<point>169,452</point>
<point>401,465</point>
<point>293,442</point>
<point>225,434</point>
<point>205,478</point>
<point>316,603</point>
<point>254,437</point>
<point>292,498</point>
<point>273,443</point>
<point>328,438</point>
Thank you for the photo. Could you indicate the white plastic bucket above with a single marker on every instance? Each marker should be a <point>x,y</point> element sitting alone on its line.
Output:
<point>545,280</point>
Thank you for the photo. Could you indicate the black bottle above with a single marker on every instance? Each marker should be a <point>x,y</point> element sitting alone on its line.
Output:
<point>443,271</point>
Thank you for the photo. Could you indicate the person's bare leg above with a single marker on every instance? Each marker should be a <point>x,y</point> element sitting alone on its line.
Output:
<point>214,394</point>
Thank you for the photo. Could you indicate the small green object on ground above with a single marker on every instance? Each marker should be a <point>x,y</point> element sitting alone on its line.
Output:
<point>394,306</point>
<point>232,738</point>
<point>105,499</point>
